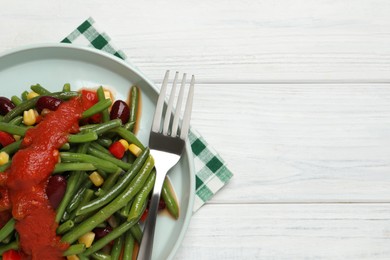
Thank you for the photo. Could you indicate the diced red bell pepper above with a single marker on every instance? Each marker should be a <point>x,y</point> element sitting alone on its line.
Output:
<point>117,149</point>
<point>12,255</point>
<point>90,98</point>
<point>144,215</point>
<point>6,138</point>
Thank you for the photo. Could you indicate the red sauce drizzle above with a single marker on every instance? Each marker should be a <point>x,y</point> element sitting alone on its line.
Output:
<point>27,179</point>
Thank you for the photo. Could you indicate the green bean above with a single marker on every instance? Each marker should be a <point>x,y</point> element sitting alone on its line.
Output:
<point>71,187</point>
<point>82,137</point>
<point>116,204</point>
<point>97,162</point>
<point>5,166</point>
<point>65,227</point>
<point>109,158</point>
<point>9,238</point>
<point>105,113</point>
<point>119,187</point>
<point>169,198</point>
<point>76,200</point>
<point>99,147</point>
<point>16,121</point>
<point>28,104</point>
<point>109,237</point>
<point>100,256</point>
<point>128,246</point>
<point>117,247</point>
<point>66,87</point>
<point>13,245</point>
<point>133,104</point>
<point>65,167</point>
<point>66,146</point>
<point>13,129</point>
<point>105,142</point>
<point>24,95</point>
<point>97,108</point>
<point>37,88</point>
<point>87,196</point>
<point>16,100</point>
<point>103,127</point>
<point>74,250</point>
<point>7,229</point>
<point>129,137</point>
<point>12,148</point>
<point>129,126</point>
<point>109,182</point>
<point>142,196</point>
<point>136,231</point>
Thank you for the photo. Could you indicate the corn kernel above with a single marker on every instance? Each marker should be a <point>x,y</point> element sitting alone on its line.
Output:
<point>72,257</point>
<point>124,143</point>
<point>135,149</point>
<point>96,179</point>
<point>16,137</point>
<point>29,117</point>
<point>4,158</point>
<point>107,94</point>
<point>32,95</point>
<point>87,239</point>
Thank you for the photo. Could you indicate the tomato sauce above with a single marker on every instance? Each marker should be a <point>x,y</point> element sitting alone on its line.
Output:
<point>27,179</point>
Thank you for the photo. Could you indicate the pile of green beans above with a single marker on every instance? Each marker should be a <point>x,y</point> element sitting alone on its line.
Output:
<point>118,204</point>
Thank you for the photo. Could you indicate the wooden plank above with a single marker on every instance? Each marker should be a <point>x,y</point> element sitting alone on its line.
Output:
<point>299,142</point>
<point>324,231</point>
<point>220,41</point>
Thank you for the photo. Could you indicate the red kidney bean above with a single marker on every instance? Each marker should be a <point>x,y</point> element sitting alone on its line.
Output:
<point>6,105</point>
<point>48,102</point>
<point>55,190</point>
<point>101,232</point>
<point>120,110</point>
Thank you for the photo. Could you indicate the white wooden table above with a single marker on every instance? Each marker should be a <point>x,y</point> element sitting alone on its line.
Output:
<point>295,95</point>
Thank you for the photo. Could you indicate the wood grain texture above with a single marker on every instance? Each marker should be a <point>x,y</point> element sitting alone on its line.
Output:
<point>322,231</point>
<point>299,142</point>
<point>224,41</point>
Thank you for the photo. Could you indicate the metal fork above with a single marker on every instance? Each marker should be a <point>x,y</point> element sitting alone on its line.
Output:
<point>166,147</point>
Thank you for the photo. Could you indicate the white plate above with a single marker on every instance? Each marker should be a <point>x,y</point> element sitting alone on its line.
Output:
<point>56,64</point>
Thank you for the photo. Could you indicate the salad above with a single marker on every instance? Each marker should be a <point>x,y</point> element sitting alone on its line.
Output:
<point>74,178</point>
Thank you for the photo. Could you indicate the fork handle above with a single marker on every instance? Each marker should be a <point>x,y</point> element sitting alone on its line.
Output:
<point>145,251</point>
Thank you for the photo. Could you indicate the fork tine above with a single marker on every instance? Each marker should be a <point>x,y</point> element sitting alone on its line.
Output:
<point>170,105</point>
<point>160,103</point>
<point>187,112</point>
<point>175,124</point>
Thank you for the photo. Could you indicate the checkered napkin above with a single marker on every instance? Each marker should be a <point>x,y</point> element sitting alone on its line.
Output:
<point>211,171</point>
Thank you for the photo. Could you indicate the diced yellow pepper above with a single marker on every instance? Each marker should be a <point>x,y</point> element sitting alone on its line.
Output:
<point>135,149</point>
<point>96,179</point>
<point>32,95</point>
<point>4,158</point>
<point>124,143</point>
<point>87,239</point>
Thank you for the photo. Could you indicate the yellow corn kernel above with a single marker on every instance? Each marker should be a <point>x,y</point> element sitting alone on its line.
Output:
<point>29,117</point>
<point>4,158</point>
<point>87,239</point>
<point>107,94</point>
<point>72,257</point>
<point>96,179</point>
<point>135,149</point>
<point>124,143</point>
<point>16,137</point>
<point>32,95</point>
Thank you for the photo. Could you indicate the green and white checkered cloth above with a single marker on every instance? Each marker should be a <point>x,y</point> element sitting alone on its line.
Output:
<point>211,171</point>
